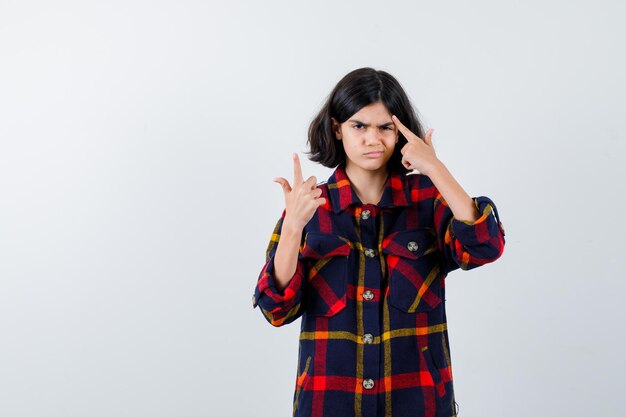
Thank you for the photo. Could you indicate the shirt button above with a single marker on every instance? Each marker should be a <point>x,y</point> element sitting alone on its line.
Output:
<point>368,338</point>
<point>365,214</point>
<point>370,253</point>
<point>253,301</point>
<point>368,295</point>
<point>412,246</point>
<point>368,383</point>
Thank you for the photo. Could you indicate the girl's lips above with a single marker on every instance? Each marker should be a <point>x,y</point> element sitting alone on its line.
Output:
<point>374,154</point>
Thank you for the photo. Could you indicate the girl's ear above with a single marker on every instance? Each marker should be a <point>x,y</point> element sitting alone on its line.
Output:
<point>336,128</point>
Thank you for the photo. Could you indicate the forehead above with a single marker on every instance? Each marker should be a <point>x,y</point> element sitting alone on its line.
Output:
<point>375,112</point>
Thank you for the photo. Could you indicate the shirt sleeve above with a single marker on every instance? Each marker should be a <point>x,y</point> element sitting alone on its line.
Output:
<point>468,244</point>
<point>279,307</point>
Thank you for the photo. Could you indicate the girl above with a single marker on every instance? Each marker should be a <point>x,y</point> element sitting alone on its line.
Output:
<point>363,258</point>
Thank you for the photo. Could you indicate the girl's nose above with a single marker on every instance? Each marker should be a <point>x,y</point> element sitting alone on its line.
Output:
<point>373,137</point>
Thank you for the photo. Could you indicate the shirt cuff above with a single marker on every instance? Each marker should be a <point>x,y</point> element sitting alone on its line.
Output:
<point>274,299</point>
<point>481,230</point>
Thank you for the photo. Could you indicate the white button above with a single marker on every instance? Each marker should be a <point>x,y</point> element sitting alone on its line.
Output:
<point>412,246</point>
<point>370,253</point>
<point>253,301</point>
<point>365,214</point>
<point>368,383</point>
<point>368,338</point>
<point>368,295</point>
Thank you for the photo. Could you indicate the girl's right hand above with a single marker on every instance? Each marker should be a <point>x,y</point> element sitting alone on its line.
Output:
<point>302,200</point>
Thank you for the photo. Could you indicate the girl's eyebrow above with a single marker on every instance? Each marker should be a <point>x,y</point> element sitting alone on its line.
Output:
<point>367,124</point>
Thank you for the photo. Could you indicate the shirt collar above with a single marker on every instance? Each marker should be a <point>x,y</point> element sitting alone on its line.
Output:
<point>342,194</point>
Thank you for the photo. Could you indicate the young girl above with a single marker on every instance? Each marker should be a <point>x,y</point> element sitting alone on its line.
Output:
<point>363,257</point>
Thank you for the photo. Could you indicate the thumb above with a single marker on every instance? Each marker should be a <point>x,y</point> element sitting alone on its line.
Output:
<point>429,137</point>
<point>283,183</point>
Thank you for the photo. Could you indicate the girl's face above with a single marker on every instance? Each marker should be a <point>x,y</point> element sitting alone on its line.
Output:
<point>369,138</point>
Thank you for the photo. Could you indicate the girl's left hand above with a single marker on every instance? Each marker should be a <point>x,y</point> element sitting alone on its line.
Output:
<point>418,153</point>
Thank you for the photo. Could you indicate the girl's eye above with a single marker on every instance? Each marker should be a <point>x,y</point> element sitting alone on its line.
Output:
<point>360,125</point>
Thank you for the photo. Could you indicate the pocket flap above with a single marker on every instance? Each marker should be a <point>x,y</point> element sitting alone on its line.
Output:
<point>318,245</point>
<point>410,244</point>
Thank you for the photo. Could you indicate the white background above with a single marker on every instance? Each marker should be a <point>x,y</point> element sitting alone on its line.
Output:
<point>139,140</point>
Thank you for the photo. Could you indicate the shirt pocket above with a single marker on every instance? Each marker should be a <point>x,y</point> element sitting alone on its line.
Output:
<point>413,269</point>
<point>300,384</point>
<point>439,386</point>
<point>326,256</point>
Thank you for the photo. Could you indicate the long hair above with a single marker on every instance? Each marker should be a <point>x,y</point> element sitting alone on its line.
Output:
<point>357,89</point>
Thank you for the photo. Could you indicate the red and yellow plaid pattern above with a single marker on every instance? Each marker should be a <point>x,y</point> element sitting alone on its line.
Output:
<point>370,289</point>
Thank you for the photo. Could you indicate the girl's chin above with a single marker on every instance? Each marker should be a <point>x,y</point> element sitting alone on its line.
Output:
<point>372,165</point>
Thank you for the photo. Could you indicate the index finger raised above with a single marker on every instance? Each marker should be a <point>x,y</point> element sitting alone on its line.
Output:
<point>405,130</point>
<point>297,171</point>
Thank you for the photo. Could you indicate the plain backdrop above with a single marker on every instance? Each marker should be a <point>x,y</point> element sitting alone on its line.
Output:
<point>139,140</point>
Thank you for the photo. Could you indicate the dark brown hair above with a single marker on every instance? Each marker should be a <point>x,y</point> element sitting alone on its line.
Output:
<point>357,89</point>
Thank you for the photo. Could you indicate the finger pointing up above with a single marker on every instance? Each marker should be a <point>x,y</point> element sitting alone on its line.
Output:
<point>297,171</point>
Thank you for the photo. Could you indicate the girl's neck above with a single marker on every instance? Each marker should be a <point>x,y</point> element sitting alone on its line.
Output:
<point>368,185</point>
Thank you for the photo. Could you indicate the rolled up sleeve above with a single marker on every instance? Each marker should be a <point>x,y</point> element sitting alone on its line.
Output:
<point>468,244</point>
<point>279,307</point>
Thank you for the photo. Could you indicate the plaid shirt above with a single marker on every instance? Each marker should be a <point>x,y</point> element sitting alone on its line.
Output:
<point>369,286</point>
